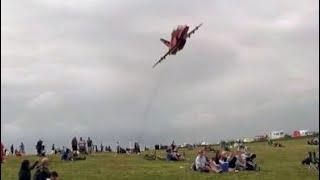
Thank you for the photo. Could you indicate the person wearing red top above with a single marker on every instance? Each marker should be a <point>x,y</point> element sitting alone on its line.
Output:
<point>2,153</point>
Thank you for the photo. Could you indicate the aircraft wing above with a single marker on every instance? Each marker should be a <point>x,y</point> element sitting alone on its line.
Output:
<point>194,30</point>
<point>164,56</point>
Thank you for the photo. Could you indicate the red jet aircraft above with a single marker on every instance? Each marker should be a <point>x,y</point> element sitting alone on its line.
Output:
<point>178,40</point>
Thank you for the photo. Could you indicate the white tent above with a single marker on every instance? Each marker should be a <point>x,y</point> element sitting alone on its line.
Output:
<point>204,143</point>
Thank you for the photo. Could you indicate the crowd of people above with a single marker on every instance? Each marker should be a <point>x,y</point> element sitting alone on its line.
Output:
<point>131,150</point>
<point>80,148</point>
<point>87,147</point>
<point>225,161</point>
<point>13,151</point>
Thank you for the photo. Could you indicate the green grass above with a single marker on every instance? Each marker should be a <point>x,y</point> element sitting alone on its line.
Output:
<point>275,163</point>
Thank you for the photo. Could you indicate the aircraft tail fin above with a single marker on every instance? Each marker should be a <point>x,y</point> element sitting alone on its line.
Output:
<point>167,43</point>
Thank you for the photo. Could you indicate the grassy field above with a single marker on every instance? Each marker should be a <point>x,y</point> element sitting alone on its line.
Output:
<point>275,163</point>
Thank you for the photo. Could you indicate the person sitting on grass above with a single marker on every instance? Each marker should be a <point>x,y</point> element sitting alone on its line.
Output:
<point>217,157</point>
<point>177,155</point>
<point>203,165</point>
<point>240,163</point>
<point>235,161</point>
<point>224,164</point>
<point>169,155</point>
<point>66,155</point>
<point>232,159</point>
<point>173,155</point>
<point>312,160</point>
<point>248,159</point>
<point>17,153</point>
<point>78,156</point>
<point>25,170</point>
<point>277,144</point>
<point>227,162</point>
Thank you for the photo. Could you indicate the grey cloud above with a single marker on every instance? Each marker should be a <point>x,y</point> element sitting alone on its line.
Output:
<point>85,69</point>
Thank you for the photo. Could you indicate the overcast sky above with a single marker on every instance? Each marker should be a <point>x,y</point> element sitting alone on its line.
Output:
<point>84,68</point>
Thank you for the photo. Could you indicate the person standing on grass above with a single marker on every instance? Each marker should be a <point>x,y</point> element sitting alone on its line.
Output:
<point>101,147</point>
<point>53,149</point>
<point>82,145</point>
<point>39,147</point>
<point>12,149</point>
<point>74,144</point>
<point>89,143</point>
<point>22,148</point>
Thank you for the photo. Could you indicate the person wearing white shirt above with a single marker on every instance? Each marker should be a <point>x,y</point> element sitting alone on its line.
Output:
<point>201,162</point>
